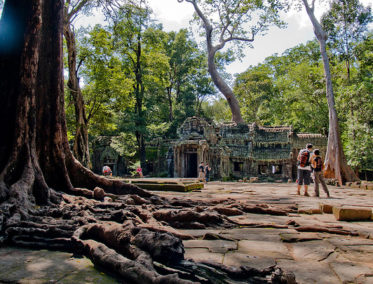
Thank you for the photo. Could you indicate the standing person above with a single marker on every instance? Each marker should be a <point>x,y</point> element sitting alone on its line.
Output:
<point>207,172</point>
<point>106,171</point>
<point>139,171</point>
<point>201,171</point>
<point>318,166</point>
<point>304,169</point>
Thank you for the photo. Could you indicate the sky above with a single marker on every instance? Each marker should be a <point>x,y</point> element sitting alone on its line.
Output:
<point>174,16</point>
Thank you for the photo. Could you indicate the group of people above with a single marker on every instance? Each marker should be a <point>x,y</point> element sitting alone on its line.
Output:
<point>204,172</point>
<point>310,162</point>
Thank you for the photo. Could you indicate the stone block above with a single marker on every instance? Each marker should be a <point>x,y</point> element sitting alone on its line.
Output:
<point>326,208</point>
<point>369,186</point>
<point>309,211</point>
<point>352,213</point>
<point>355,185</point>
<point>254,179</point>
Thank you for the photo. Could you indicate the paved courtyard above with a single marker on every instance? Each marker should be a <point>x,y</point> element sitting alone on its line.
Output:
<point>313,245</point>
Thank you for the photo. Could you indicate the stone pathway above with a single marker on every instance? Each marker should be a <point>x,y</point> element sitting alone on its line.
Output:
<point>314,257</point>
<point>260,241</point>
<point>26,266</point>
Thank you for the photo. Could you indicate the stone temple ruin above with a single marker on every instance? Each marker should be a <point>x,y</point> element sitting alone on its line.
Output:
<point>232,151</point>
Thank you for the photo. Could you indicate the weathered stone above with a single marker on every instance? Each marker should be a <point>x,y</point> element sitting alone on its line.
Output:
<point>315,250</point>
<point>215,246</point>
<point>254,179</point>
<point>299,237</point>
<point>352,213</point>
<point>263,249</point>
<point>309,211</point>
<point>355,184</point>
<point>326,208</point>
<point>20,265</point>
<point>203,254</point>
<point>369,186</point>
<point>98,193</point>
<point>308,271</point>
<point>232,258</point>
<point>348,272</point>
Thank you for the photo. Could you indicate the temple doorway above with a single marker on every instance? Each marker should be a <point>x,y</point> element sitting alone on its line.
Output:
<point>191,165</point>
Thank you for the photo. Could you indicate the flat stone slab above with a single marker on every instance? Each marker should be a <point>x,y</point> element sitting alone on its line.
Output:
<point>241,259</point>
<point>260,234</point>
<point>352,213</point>
<point>299,237</point>
<point>313,250</point>
<point>18,265</point>
<point>263,249</point>
<point>309,271</point>
<point>203,254</point>
<point>350,272</point>
<point>215,246</point>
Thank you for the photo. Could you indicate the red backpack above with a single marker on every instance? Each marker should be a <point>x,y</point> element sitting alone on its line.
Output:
<point>303,158</point>
<point>319,164</point>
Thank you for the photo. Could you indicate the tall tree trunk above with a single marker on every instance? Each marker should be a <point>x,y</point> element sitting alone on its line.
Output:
<point>139,94</point>
<point>215,76</point>
<point>335,161</point>
<point>169,97</point>
<point>80,147</point>
<point>35,154</point>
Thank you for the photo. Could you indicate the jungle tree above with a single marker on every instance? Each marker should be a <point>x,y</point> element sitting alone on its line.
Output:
<point>346,24</point>
<point>137,41</point>
<point>72,9</point>
<point>335,162</point>
<point>233,21</point>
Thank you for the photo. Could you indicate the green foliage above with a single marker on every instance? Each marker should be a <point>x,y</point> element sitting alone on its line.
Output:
<point>286,90</point>
<point>217,110</point>
<point>124,144</point>
<point>346,24</point>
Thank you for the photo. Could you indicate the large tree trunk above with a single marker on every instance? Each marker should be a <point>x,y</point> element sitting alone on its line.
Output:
<point>80,147</point>
<point>335,161</point>
<point>222,86</point>
<point>215,76</point>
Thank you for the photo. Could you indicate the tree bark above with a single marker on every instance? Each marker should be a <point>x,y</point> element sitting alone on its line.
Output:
<point>81,146</point>
<point>215,76</point>
<point>335,161</point>
<point>35,154</point>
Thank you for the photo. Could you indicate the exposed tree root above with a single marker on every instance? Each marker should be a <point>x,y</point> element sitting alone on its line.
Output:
<point>131,236</point>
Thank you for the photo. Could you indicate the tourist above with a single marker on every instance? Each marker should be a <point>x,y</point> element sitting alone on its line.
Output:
<point>304,169</point>
<point>207,172</point>
<point>139,171</point>
<point>201,171</point>
<point>106,171</point>
<point>318,167</point>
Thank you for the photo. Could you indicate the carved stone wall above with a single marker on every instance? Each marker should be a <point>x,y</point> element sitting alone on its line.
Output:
<point>103,154</point>
<point>239,150</point>
<point>232,151</point>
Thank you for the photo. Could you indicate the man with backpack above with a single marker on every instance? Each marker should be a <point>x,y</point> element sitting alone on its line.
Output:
<point>318,166</point>
<point>304,169</point>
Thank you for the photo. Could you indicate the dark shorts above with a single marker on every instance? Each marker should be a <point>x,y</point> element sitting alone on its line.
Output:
<point>304,177</point>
